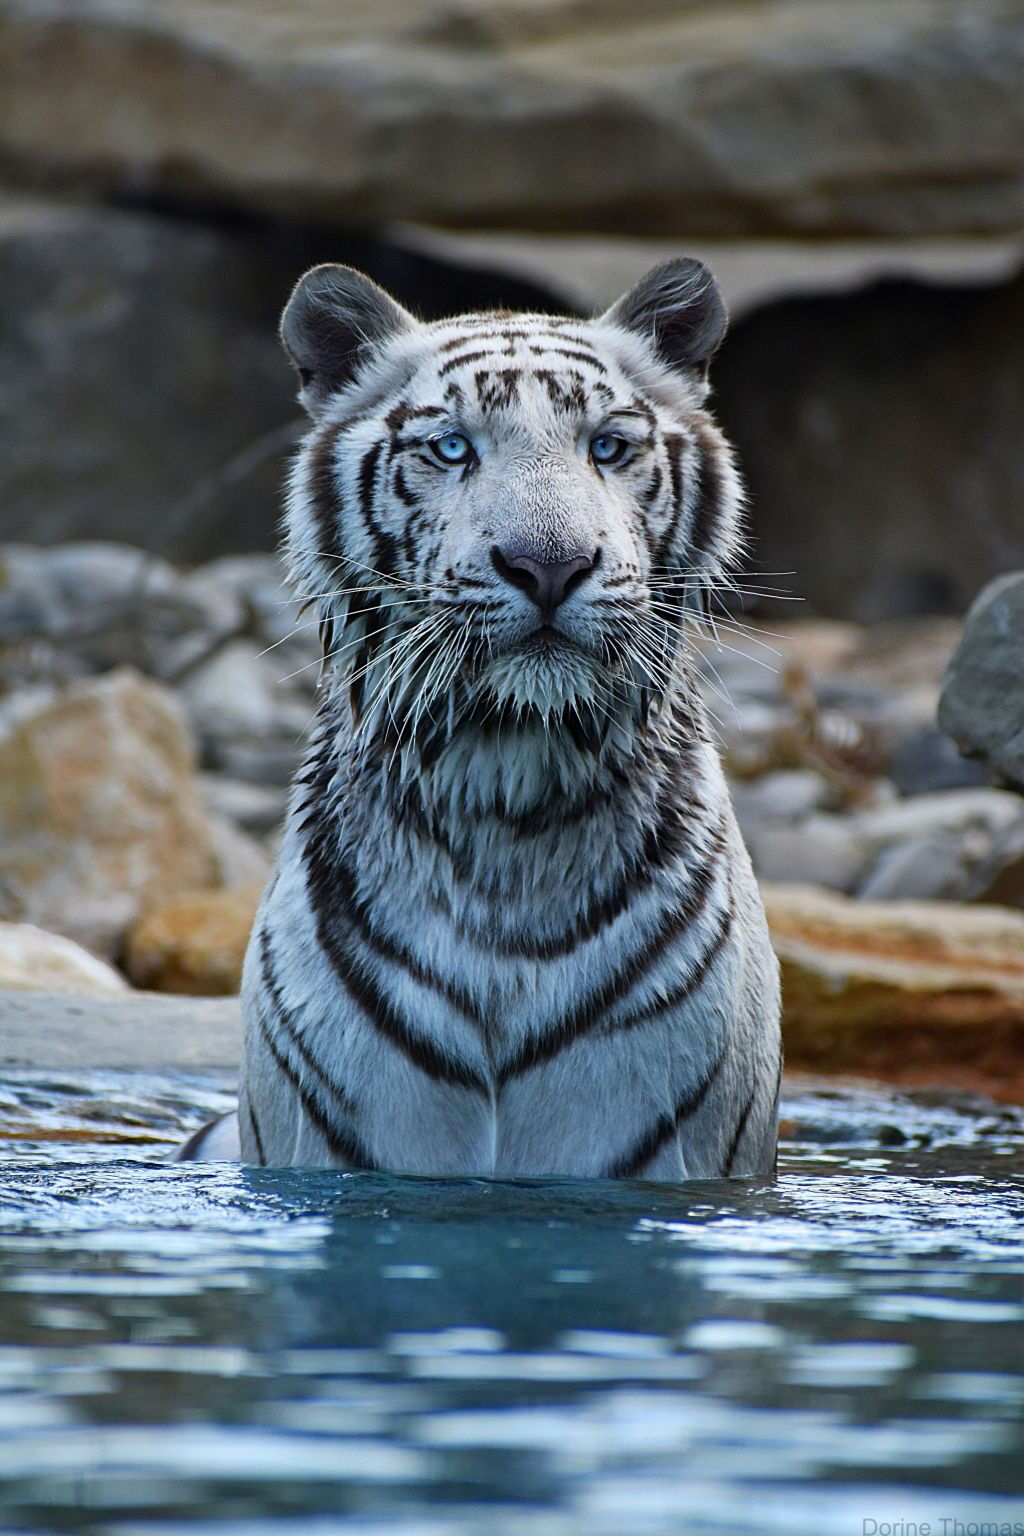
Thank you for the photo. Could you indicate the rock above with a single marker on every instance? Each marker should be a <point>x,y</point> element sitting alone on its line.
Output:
<point>250,716</point>
<point>982,704</point>
<point>180,449</point>
<point>918,519</point>
<point>784,795</point>
<point>1002,879</point>
<point>912,992</point>
<point>851,703</point>
<point>824,849</point>
<point>925,760</point>
<point>983,810</point>
<point>138,1032</point>
<point>673,119</point>
<point>241,859</point>
<point>100,605</point>
<point>256,808</point>
<point>940,867</point>
<point>100,816</point>
<point>589,271</point>
<point>32,960</point>
<point>256,584</point>
<point>195,944</point>
<point>945,845</point>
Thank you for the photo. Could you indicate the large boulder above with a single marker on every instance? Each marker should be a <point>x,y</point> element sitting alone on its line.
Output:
<point>812,119</point>
<point>982,703</point>
<point>100,812</point>
<point>143,395</point>
<point>913,992</point>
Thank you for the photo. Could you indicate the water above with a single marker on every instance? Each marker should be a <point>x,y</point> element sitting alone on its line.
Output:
<point>218,1349</point>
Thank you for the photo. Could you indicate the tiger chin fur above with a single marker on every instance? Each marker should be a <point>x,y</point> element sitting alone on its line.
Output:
<point>513,929</point>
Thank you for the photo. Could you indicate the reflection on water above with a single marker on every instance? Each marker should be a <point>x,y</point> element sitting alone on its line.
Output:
<point>221,1349</point>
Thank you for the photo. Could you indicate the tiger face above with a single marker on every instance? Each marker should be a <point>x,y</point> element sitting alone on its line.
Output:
<point>507,514</point>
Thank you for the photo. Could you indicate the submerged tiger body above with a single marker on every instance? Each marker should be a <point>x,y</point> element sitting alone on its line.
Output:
<point>513,929</point>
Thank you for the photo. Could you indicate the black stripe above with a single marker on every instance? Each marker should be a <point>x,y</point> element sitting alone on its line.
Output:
<point>368,607</point>
<point>403,412</point>
<point>778,1079</point>
<point>453,342</point>
<point>286,1019</point>
<point>566,389</point>
<point>633,1162</point>
<point>261,1156</point>
<point>545,815</point>
<point>652,490</point>
<point>665,842</point>
<point>340,1143</point>
<point>741,1127</point>
<point>674,445</point>
<point>323,492</point>
<point>462,358</point>
<point>334,878</point>
<point>579,356</point>
<point>385,546</point>
<point>643,406</point>
<point>476,331</point>
<point>588,1013</point>
<point>402,491</point>
<point>775,1109</point>
<point>707,512</point>
<point>327,510</point>
<point>497,388</point>
<point>321,875</point>
<point>686,988</point>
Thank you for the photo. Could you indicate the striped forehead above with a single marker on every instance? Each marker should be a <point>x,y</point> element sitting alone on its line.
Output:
<point>490,362</point>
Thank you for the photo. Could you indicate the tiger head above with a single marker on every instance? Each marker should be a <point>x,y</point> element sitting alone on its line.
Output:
<point>507,516</point>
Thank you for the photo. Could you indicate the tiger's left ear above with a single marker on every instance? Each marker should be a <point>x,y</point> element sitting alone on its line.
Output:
<point>333,323</point>
<point>678,308</point>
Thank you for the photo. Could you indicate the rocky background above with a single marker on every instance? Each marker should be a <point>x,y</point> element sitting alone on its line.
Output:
<point>855,177</point>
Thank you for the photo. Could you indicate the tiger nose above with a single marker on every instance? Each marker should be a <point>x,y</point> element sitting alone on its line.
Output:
<point>545,582</point>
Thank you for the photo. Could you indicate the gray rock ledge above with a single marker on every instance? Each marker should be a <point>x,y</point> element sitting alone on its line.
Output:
<point>893,117</point>
<point>140,1032</point>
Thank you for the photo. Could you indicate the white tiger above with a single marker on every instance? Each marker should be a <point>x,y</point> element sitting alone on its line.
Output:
<point>513,929</point>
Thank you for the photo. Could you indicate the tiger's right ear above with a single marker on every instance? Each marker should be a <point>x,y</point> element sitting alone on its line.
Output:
<point>333,322</point>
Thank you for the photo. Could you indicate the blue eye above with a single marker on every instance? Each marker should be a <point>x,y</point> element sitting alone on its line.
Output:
<point>452,448</point>
<point>606,448</point>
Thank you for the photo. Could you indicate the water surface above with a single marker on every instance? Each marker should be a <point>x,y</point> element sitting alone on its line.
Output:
<point>220,1349</point>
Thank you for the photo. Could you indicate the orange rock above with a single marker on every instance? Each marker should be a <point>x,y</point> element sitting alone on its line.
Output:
<point>100,812</point>
<point>913,992</point>
<point>195,944</point>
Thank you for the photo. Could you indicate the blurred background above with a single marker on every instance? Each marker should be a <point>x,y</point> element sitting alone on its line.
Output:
<point>853,172</point>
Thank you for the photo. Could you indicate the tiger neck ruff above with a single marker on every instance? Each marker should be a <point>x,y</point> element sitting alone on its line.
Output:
<point>513,929</point>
